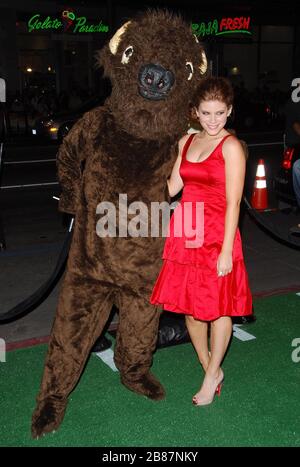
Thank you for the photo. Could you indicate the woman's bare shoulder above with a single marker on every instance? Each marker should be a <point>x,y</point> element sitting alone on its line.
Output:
<point>182,142</point>
<point>233,148</point>
<point>232,143</point>
<point>183,139</point>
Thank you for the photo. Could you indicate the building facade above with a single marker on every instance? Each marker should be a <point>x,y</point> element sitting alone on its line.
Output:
<point>46,44</point>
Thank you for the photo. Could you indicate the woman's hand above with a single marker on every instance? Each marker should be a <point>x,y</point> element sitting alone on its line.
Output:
<point>224,263</point>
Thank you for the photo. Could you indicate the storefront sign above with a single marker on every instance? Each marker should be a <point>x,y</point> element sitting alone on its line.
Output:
<point>69,21</point>
<point>223,26</point>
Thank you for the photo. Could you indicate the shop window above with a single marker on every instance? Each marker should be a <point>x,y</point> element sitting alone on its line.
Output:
<point>277,34</point>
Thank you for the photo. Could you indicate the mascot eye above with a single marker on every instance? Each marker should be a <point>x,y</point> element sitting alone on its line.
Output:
<point>190,69</point>
<point>127,54</point>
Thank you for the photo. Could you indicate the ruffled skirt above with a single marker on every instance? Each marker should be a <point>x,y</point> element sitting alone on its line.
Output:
<point>189,289</point>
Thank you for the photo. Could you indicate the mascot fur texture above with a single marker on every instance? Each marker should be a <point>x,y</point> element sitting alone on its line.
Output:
<point>128,146</point>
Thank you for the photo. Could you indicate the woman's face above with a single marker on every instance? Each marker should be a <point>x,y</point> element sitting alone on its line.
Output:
<point>213,116</point>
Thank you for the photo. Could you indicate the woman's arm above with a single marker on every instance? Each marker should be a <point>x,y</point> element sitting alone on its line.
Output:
<point>175,183</point>
<point>235,168</point>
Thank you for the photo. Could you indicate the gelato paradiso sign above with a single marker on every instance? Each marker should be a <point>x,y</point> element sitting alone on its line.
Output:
<point>67,22</point>
<point>221,27</point>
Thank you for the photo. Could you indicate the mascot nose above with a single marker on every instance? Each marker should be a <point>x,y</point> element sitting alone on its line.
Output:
<point>155,81</point>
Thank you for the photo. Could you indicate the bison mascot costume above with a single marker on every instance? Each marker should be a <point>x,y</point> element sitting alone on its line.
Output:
<point>124,150</point>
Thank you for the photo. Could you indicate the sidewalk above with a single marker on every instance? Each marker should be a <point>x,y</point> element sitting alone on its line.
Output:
<point>33,251</point>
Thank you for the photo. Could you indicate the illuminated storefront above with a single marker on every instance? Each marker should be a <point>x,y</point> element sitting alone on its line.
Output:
<point>253,46</point>
<point>250,53</point>
<point>47,46</point>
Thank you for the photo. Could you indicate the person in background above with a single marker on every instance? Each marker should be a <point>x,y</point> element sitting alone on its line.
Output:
<point>292,139</point>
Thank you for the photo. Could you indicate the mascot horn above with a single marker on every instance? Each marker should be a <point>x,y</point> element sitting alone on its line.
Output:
<point>114,158</point>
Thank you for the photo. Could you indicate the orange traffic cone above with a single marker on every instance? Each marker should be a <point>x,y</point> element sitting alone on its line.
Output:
<point>259,199</point>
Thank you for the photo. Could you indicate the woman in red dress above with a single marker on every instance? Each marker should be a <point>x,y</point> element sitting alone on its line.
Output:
<point>203,273</point>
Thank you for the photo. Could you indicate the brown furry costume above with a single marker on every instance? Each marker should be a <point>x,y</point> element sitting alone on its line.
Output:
<point>128,146</point>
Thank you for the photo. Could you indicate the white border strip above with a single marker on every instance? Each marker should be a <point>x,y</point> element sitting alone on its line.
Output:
<point>265,144</point>
<point>29,162</point>
<point>29,185</point>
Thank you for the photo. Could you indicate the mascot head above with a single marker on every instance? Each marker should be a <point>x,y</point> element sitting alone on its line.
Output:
<point>154,63</point>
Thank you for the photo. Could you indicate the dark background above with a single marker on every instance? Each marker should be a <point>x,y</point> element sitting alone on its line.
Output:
<point>52,71</point>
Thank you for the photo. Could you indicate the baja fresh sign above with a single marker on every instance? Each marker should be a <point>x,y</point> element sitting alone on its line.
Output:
<point>68,22</point>
<point>221,27</point>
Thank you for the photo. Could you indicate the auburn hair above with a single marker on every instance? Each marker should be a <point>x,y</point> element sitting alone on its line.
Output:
<point>214,89</point>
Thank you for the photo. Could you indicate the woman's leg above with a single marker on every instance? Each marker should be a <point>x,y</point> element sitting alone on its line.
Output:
<point>198,334</point>
<point>221,330</point>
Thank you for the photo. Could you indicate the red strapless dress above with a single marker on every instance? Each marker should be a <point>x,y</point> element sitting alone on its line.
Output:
<point>188,281</point>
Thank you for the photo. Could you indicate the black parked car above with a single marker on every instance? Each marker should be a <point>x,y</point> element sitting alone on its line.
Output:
<point>283,181</point>
<point>56,126</point>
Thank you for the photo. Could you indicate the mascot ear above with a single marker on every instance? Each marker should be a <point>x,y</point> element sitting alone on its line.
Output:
<point>203,66</point>
<point>116,39</point>
<point>105,55</point>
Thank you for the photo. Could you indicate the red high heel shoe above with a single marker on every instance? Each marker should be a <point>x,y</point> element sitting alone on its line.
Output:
<point>219,388</point>
<point>217,391</point>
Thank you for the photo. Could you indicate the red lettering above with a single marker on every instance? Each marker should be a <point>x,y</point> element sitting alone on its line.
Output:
<point>236,23</point>
<point>223,24</point>
<point>230,24</point>
<point>246,23</point>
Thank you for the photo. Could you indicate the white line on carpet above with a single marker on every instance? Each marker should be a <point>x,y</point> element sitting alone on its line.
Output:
<point>242,335</point>
<point>107,356</point>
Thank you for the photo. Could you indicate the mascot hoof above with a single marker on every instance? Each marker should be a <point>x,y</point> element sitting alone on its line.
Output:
<point>147,385</point>
<point>47,416</point>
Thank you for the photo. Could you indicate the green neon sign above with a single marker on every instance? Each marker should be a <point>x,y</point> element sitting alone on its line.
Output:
<point>79,24</point>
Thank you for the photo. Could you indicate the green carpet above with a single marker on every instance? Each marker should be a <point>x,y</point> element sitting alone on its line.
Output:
<point>259,404</point>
